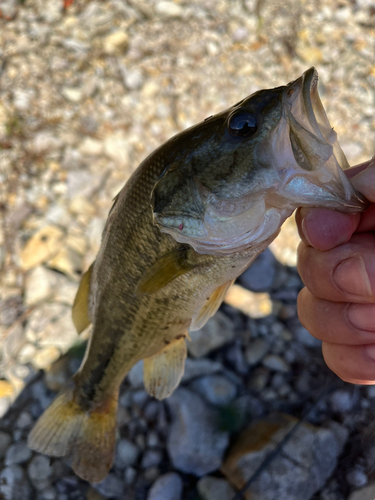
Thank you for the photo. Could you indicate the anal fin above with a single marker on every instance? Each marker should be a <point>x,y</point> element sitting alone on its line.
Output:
<point>163,371</point>
<point>80,311</point>
<point>210,307</point>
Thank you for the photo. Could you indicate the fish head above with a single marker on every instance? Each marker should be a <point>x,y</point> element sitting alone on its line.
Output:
<point>236,177</point>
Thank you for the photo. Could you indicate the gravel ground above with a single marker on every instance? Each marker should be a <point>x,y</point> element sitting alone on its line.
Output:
<point>85,94</point>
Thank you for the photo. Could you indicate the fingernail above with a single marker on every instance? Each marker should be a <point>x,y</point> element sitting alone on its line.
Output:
<point>362,316</point>
<point>370,351</point>
<point>352,278</point>
<point>304,229</point>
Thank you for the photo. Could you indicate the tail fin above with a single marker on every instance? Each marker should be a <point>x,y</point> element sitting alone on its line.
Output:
<point>65,428</point>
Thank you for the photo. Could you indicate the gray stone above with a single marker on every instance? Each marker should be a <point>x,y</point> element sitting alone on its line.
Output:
<point>256,351</point>
<point>307,459</point>
<point>39,469</point>
<point>14,484</point>
<point>216,389</point>
<point>167,487</point>
<point>367,493</point>
<point>194,445</point>
<point>135,375</point>
<point>5,440</point>
<point>342,401</point>
<point>24,420</point>
<point>151,458</point>
<point>130,475</point>
<point>198,367</point>
<point>18,453</point>
<point>357,477</point>
<point>218,330</point>
<point>214,488</point>
<point>305,337</point>
<point>260,276</point>
<point>276,363</point>
<point>111,486</point>
<point>127,453</point>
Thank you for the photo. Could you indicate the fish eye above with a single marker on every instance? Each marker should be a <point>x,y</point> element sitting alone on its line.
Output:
<point>242,124</point>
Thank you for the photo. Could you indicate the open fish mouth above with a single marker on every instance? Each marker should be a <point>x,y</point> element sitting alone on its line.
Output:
<point>316,150</point>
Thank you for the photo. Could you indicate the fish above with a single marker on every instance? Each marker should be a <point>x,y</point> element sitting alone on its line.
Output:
<point>188,222</point>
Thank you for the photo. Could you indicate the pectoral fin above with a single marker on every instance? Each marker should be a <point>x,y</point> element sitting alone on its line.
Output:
<point>165,269</point>
<point>81,303</point>
<point>210,307</point>
<point>163,371</point>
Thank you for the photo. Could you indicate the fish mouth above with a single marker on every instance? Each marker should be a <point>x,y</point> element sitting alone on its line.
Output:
<point>316,150</point>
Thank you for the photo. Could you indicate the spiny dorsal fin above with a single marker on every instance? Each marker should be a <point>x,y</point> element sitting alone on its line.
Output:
<point>163,271</point>
<point>81,302</point>
<point>210,307</point>
<point>163,371</point>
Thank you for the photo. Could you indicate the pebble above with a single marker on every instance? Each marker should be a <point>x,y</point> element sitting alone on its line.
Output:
<point>305,337</point>
<point>14,484</point>
<point>214,488</point>
<point>39,283</point>
<point>24,421</point>
<point>276,363</point>
<point>18,453</point>
<point>130,475</point>
<point>198,367</point>
<point>366,493</point>
<point>39,469</point>
<point>357,477</point>
<point>255,305</point>
<point>151,458</point>
<point>127,453</point>
<point>135,375</point>
<point>5,440</point>
<point>111,486</point>
<point>259,277</point>
<point>167,487</point>
<point>42,246</point>
<point>115,42</point>
<point>256,351</point>
<point>342,401</point>
<point>168,9</point>
<point>306,461</point>
<point>194,445</point>
<point>218,331</point>
<point>215,389</point>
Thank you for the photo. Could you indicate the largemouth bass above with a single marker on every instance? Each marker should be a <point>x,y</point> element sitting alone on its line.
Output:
<point>192,218</point>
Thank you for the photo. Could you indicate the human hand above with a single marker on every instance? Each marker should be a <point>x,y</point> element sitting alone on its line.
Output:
<point>336,261</point>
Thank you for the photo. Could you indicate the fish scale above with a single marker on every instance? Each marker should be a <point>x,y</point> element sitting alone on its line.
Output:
<point>192,218</point>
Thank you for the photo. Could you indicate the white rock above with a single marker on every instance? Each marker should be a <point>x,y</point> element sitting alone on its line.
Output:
<point>218,331</point>
<point>72,94</point>
<point>115,42</point>
<point>45,141</point>
<point>91,147</point>
<point>38,285</point>
<point>168,9</point>
<point>133,79</point>
<point>116,147</point>
<point>214,488</point>
<point>167,487</point>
